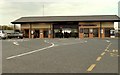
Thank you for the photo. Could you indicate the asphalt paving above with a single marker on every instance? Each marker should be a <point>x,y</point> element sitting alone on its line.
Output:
<point>60,55</point>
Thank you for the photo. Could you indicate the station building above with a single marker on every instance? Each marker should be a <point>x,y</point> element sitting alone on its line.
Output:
<point>67,26</point>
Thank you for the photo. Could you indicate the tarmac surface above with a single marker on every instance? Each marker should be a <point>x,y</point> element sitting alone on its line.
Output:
<point>60,55</point>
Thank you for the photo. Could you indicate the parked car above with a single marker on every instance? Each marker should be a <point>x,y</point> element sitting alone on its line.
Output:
<point>3,35</point>
<point>15,35</point>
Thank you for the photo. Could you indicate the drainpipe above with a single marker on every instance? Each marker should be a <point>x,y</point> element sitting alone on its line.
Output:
<point>14,28</point>
<point>100,29</point>
<point>30,30</point>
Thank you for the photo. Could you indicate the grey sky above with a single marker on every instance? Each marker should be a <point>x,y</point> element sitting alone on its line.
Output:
<point>11,10</point>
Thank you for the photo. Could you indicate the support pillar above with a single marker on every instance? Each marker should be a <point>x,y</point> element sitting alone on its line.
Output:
<point>81,32</point>
<point>32,33</point>
<point>14,27</point>
<point>30,29</point>
<point>81,35</point>
<point>99,32</point>
<point>90,33</point>
<point>50,34</point>
<point>103,33</point>
<point>29,33</point>
<point>41,34</point>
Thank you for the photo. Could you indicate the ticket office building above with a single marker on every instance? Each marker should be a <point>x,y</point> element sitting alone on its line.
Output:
<point>67,26</point>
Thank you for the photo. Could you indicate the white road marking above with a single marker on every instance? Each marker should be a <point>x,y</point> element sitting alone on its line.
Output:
<point>71,43</point>
<point>15,43</point>
<point>60,44</point>
<point>23,54</point>
<point>45,41</point>
<point>20,40</point>
<point>107,41</point>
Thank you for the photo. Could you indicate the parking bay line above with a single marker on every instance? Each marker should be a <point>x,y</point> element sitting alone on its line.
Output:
<point>23,54</point>
<point>15,43</point>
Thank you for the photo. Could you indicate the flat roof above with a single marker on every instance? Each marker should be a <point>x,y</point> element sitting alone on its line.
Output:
<point>92,18</point>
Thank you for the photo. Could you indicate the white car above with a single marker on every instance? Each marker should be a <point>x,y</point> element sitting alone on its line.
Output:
<point>3,35</point>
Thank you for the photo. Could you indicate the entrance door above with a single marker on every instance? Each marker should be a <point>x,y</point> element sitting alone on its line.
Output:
<point>65,29</point>
<point>107,32</point>
<point>66,32</point>
<point>45,32</point>
<point>26,33</point>
<point>95,32</point>
<point>36,33</point>
<point>86,32</point>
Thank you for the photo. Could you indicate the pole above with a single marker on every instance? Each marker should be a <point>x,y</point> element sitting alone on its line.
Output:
<point>43,8</point>
<point>100,29</point>
<point>14,28</point>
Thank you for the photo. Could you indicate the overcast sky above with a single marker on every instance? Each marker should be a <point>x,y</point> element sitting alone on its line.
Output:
<point>11,10</point>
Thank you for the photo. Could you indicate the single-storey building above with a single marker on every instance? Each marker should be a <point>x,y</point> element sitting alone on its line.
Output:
<point>67,26</point>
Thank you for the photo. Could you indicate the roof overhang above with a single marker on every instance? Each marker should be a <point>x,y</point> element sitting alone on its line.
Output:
<point>54,19</point>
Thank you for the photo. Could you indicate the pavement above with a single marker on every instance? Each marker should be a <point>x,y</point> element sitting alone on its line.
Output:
<point>60,55</point>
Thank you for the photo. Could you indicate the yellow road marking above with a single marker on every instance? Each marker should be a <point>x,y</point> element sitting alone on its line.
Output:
<point>103,53</point>
<point>109,45</point>
<point>106,50</point>
<point>91,67</point>
<point>112,55</point>
<point>116,50</point>
<point>98,59</point>
<point>113,50</point>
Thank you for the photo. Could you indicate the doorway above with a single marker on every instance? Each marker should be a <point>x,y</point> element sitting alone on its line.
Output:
<point>107,32</point>
<point>95,32</point>
<point>86,32</point>
<point>36,33</point>
<point>45,33</point>
<point>26,33</point>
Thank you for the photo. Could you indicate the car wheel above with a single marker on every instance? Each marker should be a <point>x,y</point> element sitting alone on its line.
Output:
<point>21,37</point>
<point>18,37</point>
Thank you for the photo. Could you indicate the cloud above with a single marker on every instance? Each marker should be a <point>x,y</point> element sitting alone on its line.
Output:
<point>14,9</point>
